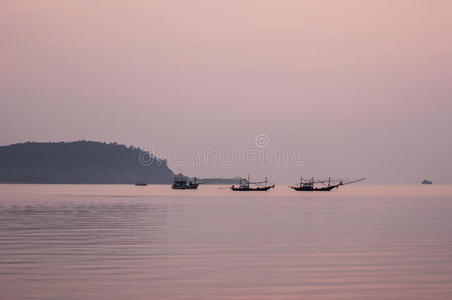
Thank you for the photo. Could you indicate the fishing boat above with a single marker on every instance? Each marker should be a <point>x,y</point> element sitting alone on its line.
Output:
<point>180,183</point>
<point>425,181</point>
<point>311,185</point>
<point>141,183</point>
<point>245,185</point>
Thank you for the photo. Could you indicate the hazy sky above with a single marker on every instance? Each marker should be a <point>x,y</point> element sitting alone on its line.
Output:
<point>364,88</point>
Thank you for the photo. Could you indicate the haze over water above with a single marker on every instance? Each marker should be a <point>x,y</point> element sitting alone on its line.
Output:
<point>127,242</point>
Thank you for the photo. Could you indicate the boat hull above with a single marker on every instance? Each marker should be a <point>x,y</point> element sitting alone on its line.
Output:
<point>185,187</point>
<point>257,189</point>
<point>310,189</point>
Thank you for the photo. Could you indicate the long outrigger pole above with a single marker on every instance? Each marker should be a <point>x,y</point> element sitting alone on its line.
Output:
<point>353,181</point>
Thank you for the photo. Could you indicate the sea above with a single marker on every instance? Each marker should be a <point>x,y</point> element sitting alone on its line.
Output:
<point>152,242</point>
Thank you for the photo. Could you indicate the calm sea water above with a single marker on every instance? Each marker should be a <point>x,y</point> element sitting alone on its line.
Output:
<point>127,242</point>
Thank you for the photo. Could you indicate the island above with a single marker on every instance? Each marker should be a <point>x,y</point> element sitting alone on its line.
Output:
<point>80,162</point>
<point>85,162</point>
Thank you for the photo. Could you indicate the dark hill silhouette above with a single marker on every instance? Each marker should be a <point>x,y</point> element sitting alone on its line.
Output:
<point>79,162</point>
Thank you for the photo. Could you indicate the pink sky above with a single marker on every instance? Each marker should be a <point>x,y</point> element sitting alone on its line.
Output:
<point>363,87</point>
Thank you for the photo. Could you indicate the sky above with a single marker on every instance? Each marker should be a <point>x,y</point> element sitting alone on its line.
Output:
<point>352,88</point>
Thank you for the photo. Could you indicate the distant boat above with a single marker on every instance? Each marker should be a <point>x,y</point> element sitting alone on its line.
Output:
<point>141,183</point>
<point>180,183</point>
<point>425,181</point>
<point>244,185</point>
<point>310,185</point>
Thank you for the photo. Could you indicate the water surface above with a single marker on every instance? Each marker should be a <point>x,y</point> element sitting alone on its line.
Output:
<point>127,242</point>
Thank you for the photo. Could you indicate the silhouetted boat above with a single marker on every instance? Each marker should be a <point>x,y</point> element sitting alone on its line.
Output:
<point>425,181</point>
<point>141,183</point>
<point>180,183</point>
<point>244,185</point>
<point>309,185</point>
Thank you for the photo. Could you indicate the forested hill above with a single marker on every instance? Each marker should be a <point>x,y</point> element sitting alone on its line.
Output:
<point>79,162</point>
